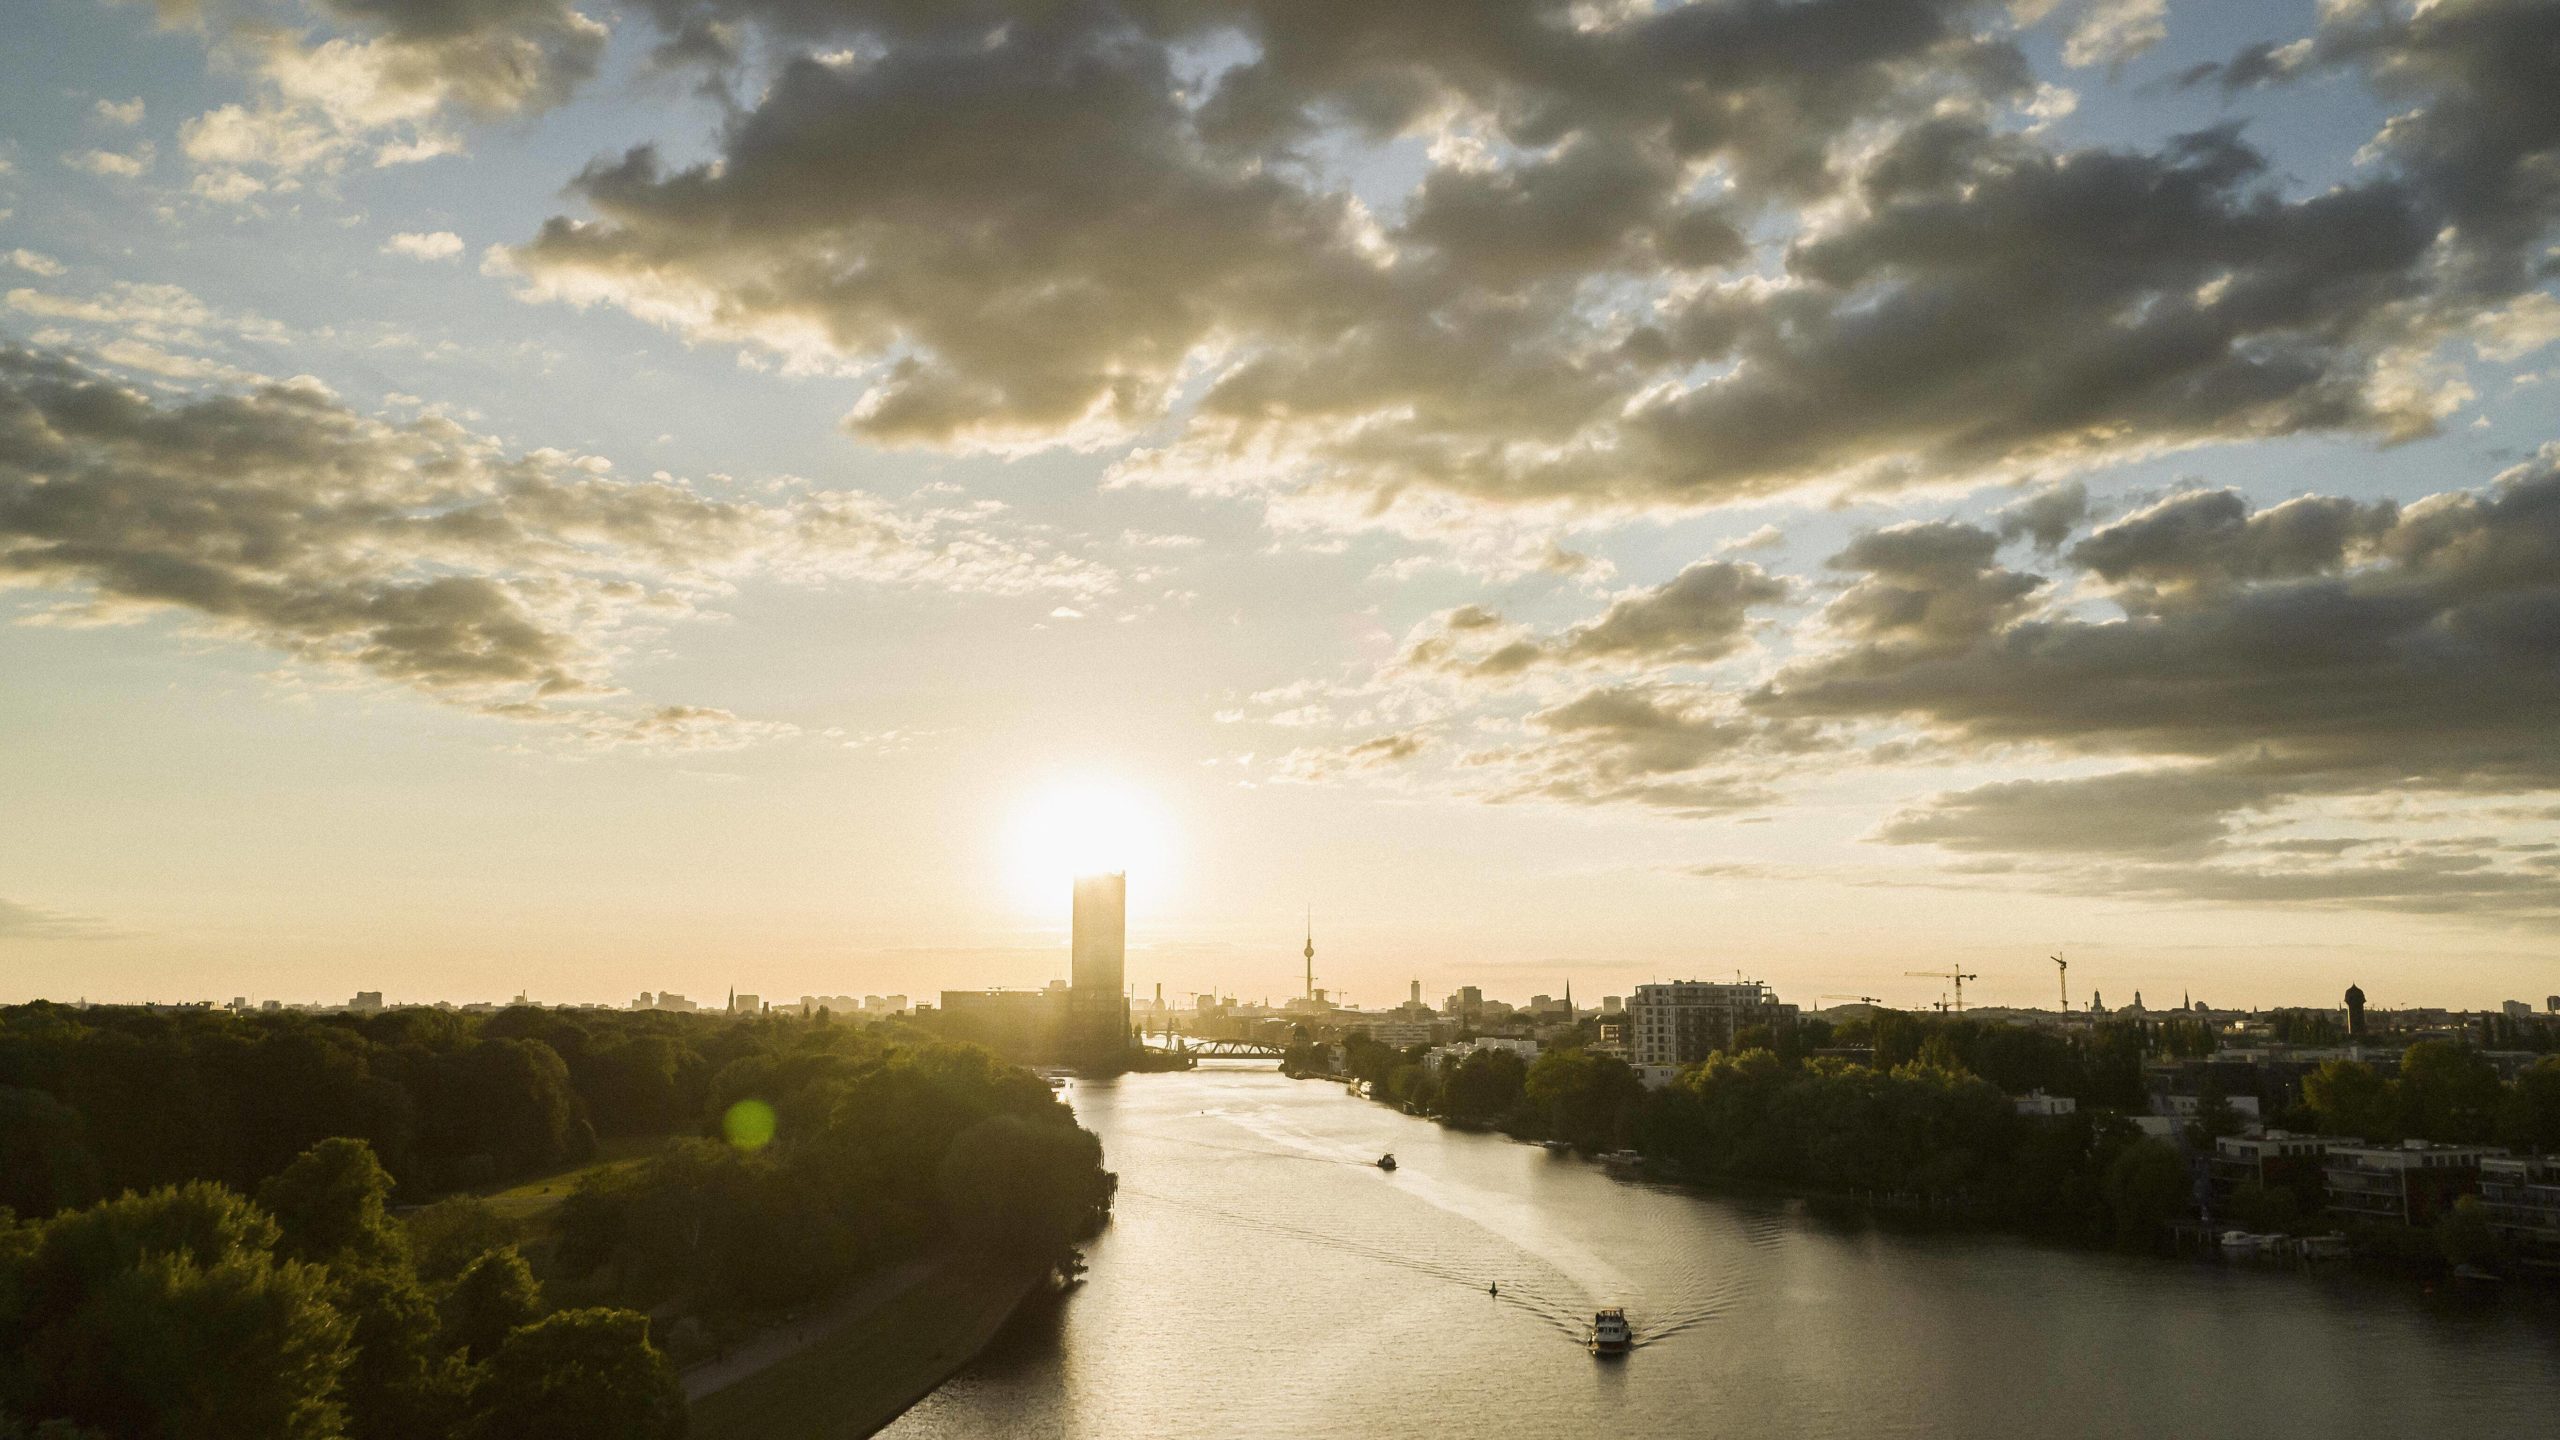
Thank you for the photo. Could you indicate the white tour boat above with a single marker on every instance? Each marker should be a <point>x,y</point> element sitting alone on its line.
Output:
<point>1609,1332</point>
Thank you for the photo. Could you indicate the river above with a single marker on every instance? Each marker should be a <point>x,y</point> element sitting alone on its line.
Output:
<point>1261,1277</point>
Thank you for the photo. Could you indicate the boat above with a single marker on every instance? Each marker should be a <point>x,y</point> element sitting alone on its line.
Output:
<point>1387,1162</point>
<point>1558,1147</point>
<point>1623,1162</point>
<point>1609,1332</point>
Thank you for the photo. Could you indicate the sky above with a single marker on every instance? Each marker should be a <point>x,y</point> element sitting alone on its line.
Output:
<point>568,498</point>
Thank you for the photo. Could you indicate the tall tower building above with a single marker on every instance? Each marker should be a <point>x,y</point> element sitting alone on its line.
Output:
<point>1310,953</point>
<point>1097,999</point>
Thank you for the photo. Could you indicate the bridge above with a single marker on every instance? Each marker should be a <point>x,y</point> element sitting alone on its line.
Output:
<point>1205,1048</point>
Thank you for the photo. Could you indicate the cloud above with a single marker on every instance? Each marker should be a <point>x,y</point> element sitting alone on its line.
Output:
<point>1124,230</point>
<point>2207,543</point>
<point>430,246</point>
<point>380,82</point>
<point>2112,32</point>
<point>2135,812</point>
<point>1927,586</point>
<point>1697,617</point>
<point>1319,764</point>
<point>25,922</point>
<point>2277,662</point>
<point>126,113</point>
<point>1658,258</point>
<point>2207,698</point>
<point>419,554</point>
<point>35,264</point>
<point>113,164</point>
<point>2047,517</point>
<point>162,314</point>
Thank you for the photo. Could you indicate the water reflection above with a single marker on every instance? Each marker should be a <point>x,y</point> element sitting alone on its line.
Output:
<point>1264,1278</point>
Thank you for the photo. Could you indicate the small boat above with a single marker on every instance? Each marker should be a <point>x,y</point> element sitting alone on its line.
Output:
<point>1609,1332</point>
<point>1558,1147</point>
<point>1386,1162</point>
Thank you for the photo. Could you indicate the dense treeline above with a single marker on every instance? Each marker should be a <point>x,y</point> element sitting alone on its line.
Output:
<point>2442,1091</point>
<point>99,1101</point>
<point>845,1155</point>
<point>798,1155</point>
<point>192,1312</point>
<point>1924,1118</point>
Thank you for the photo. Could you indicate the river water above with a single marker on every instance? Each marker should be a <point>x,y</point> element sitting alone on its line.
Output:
<point>1261,1277</point>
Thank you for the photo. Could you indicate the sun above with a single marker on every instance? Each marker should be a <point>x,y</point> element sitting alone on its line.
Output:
<point>1084,827</point>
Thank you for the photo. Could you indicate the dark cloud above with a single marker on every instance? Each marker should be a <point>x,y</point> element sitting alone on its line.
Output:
<point>1697,617</point>
<point>1927,586</point>
<point>1021,223</point>
<point>2047,517</point>
<point>415,553</point>
<point>2134,812</point>
<point>1669,747</point>
<point>2310,653</point>
<point>2204,543</point>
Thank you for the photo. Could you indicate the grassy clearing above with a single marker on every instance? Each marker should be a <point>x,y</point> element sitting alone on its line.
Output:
<point>538,1196</point>
<point>872,1367</point>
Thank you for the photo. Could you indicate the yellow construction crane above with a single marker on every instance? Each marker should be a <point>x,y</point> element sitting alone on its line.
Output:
<point>2062,968</point>
<point>1958,976</point>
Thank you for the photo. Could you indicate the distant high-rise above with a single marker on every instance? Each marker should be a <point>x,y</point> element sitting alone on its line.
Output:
<point>1099,961</point>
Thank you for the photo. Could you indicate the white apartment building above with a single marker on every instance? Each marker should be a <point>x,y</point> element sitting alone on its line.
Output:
<point>1684,1022</point>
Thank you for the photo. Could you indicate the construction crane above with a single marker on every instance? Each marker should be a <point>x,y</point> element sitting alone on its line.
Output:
<point>1958,976</point>
<point>1861,999</point>
<point>2062,968</point>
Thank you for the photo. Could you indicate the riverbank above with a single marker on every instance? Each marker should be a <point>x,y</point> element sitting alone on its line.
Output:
<point>863,1360</point>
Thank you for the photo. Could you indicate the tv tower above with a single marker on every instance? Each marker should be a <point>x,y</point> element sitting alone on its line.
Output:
<point>1311,952</point>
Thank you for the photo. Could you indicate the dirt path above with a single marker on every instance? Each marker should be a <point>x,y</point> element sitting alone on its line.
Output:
<point>784,1341</point>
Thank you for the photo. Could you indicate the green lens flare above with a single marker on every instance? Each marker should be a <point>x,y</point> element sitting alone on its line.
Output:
<point>749,1124</point>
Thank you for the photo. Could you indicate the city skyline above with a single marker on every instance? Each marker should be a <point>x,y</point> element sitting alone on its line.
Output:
<point>532,497</point>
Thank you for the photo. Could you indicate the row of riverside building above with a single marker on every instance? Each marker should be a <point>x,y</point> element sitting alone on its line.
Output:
<point>2412,1183</point>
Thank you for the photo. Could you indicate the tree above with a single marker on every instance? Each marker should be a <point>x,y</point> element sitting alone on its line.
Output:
<point>445,1237</point>
<point>2145,1188</point>
<point>2448,1091</point>
<point>2215,1116</point>
<point>1033,1189</point>
<point>580,1375</point>
<point>45,1162</point>
<point>1487,1085</point>
<point>2464,1236</point>
<point>495,1296</point>
<point>1582,1097</point>
<point>2260,1208</point>
<point>2346,1097</point>
<point>401,1382</point>
<point>2529,1119</point>
<point>167,1316</point>
<point>329,1206</point>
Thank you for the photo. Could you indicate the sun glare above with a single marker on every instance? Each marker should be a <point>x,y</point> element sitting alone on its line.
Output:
<point>1082,827</point>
